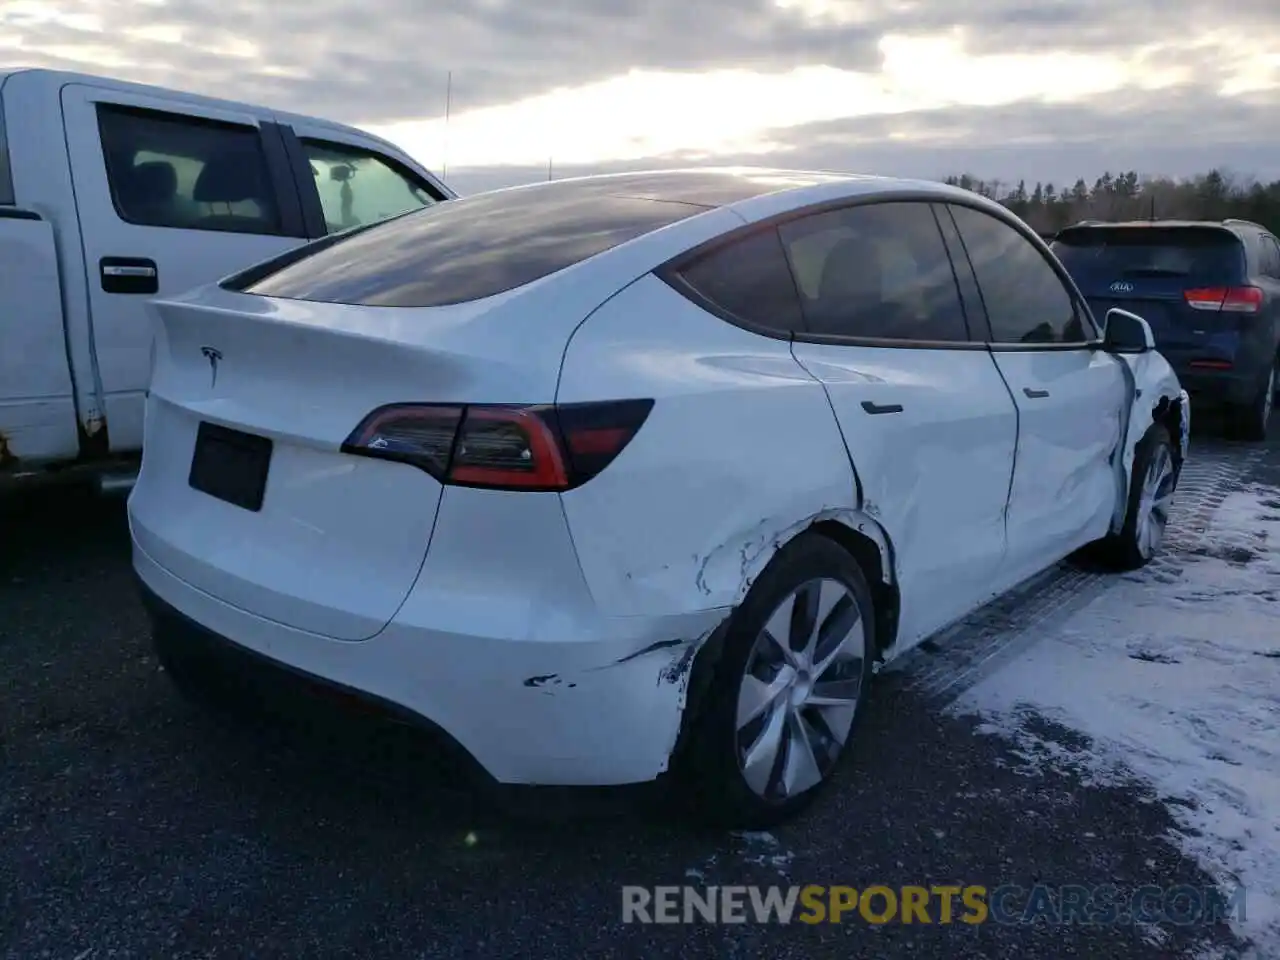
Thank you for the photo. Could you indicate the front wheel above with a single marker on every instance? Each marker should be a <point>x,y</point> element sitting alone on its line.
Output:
<point>785,696</point>
<point>1150,499</point>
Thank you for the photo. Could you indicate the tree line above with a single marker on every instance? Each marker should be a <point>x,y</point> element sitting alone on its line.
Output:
<point>1216,195</point>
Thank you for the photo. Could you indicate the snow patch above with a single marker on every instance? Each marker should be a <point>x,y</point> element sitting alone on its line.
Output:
<point>1175,681</point>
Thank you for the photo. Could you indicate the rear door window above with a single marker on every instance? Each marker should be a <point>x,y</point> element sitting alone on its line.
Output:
<point>876,271</point>
<point>468,249</point>
<point>1195,256</point>
<point>358,187</point>
<point>169,170</point>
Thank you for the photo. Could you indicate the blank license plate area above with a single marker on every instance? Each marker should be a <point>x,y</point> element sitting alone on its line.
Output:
<point>230,465</point>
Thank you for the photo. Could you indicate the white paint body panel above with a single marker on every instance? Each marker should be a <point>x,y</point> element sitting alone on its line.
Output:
<point>1065,487</point>
<point>552,635</point>
<point>740,448</point>
<point>1155,380</point>
<point>935,475</point>
<point>97,370</point>
<point>37,410</point>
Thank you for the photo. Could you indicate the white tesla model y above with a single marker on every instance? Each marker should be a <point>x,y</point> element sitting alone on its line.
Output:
<point>627,476</point>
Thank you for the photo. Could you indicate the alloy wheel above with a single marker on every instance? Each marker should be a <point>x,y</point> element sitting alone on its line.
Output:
<point>800,690</point>
<point>1154,502</point>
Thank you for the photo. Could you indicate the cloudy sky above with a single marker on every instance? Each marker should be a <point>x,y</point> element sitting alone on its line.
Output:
<point>1041,89</point>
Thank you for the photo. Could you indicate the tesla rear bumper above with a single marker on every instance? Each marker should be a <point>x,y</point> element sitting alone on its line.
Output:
<point>526,712</point>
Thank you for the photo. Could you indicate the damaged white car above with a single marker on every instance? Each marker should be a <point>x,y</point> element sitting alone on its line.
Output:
<point>635,475</point>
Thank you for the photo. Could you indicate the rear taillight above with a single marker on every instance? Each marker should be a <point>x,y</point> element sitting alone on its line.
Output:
<point>1225,299</point>
<point>543,447</point>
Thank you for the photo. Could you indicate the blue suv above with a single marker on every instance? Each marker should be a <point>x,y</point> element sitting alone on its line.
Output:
<point>1209,290</point>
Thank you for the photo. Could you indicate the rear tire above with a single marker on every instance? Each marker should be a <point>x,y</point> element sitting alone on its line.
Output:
<point>1251,422</point>
<point>197,681</point>
<point>1146,518</point>
<point>787,689</point>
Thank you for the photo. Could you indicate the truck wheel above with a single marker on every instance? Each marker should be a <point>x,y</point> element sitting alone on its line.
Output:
<point>787,690</point>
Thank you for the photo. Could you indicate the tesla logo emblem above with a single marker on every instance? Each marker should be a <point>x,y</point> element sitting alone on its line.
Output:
<point>1121,286</point>
<point>213,356</point>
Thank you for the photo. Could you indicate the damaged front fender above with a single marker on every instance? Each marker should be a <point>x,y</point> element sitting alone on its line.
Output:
<point>1154,395</point>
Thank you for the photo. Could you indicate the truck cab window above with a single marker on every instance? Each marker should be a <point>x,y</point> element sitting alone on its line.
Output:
<point>358,187</point>
<point>168,170</point>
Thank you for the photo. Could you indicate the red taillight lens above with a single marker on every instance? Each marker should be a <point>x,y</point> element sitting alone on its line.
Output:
<point>515,448</point>
<point>421,434</point>
<point>544,447</point>
<point>1225,299</point>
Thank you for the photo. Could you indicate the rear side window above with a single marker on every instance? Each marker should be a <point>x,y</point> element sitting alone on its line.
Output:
<point>168,170</point>
<point>1202,255</point>
<point>875,271</point>
<point>1025,299</point>
<point>471,248</point>
<point>749,279</point>
<point>6,176</point>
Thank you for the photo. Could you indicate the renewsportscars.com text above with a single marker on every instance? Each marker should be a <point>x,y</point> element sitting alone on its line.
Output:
<point>934,904</point>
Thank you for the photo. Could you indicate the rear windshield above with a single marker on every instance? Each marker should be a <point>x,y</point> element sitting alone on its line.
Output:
<point>6,177</point>
<point>1197,253</point>
<point>467,249</point>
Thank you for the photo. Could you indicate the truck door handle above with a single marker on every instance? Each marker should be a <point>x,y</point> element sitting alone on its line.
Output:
<point>1035,394</point>
<point>870,407</point>
<point>135,275</point>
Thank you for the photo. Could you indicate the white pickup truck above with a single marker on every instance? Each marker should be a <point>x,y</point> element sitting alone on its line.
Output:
<point>111,193</point>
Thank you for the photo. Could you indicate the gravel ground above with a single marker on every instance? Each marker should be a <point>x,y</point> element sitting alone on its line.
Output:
<point>136,826</point>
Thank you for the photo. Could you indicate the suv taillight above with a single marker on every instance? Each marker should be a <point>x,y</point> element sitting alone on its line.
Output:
<point>1225,299</point>
<point>542,447</point>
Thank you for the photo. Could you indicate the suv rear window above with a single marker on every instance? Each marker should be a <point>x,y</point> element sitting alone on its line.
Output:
<point>468,249</point>
<point>1203,254</point>
<point>6,177</point>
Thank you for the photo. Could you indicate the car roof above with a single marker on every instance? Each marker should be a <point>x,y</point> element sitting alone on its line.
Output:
<point>749,191</point>
<point>1229,225</point>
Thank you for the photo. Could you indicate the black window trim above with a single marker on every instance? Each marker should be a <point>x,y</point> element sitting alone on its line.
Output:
<point>300,172</point>
<point>300,167</point>
<point>7,195</point>
<point>670,273</point>
<point>975,309</point>
<point>1073,292</point>
<point>286,196</point>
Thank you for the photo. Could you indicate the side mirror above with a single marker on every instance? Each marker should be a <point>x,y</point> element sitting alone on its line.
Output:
<point>1125,332</point>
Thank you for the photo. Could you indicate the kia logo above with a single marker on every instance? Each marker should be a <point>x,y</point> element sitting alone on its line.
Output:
<point>1121,286</point>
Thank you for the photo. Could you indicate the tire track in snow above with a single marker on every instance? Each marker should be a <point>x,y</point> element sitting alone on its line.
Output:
<point>954,661</point>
